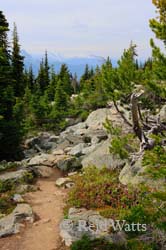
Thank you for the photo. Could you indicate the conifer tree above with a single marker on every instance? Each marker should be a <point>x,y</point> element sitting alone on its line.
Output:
<point>66,79</point>
<point>156,81</point>
<point>158,25</point>
<point>17,65</point>
<point>31,78</point>
<point>9,128</point>
<point>43,78</point>
<point>61,99</point>
<point>52,85</point>
<point>85,77</point>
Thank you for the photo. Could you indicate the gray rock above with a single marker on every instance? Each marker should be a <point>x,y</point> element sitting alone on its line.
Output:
<point>63,162</point>
<point>162,114</point>
<point>136,174</point>
<point>43,159</point>
<point>13,176</point>
<point>62,144</point>
<point>62,181</point>
<point>78,126</point>
<point>77,150</point>
<point>17,198</point>
<point>88,150</point>
<point>101,157</point>
<point>69,185</point>
<point>91,223</point>
<point>96,119</point>
<point>10,224</point>
<point>58,152</point>
<point>68,163</point>
<point>53,138</point>
<point>72,139</point>
<point>23,212</point>
<point>43,171</point>
<point>26,188</point>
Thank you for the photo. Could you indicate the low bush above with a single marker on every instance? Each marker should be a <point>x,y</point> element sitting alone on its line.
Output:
<point>100,188</point>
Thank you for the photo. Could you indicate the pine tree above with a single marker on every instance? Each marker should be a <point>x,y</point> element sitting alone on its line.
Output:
<point>17,66</point>
<point>75,84</point>
<point>85,77</point>
<point>157,77</point>
<point>52,85</point>
<point>158,25</point>
<point>43,78</point>
<point>9,128</point>
<point>31,79</point>
<point>66,79</point>
<point>61,99</point>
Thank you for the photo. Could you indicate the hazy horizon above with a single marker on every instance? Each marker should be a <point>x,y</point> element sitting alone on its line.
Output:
<point>81,28</point>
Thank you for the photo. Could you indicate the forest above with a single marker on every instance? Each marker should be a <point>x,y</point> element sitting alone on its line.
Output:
<point>49,101</point>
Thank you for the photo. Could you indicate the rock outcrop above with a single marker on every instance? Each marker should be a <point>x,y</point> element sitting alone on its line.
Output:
<point>88,222</point>
<point>11,223</point>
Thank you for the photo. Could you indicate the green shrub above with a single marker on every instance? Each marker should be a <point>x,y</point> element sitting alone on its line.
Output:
<point>97,244</point>
<point>100,188</point>
<point>155,161</point>
<point>121,144</point>
<point>8,166</point>
<point>6,205</point>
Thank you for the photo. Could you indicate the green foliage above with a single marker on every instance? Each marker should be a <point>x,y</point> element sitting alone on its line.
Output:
<point>9,126</point>
<point>99,188</point>
<point>155,161</point>
<point>87,244</point>
<point>5,166</point>
<point>10,185</point>
<point>158,25</point>
<point>121,144</point>
<point>6,206</point>
<point>17,66</point>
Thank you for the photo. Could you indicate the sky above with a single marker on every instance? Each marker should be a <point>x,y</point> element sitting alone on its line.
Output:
<point>81,27</point>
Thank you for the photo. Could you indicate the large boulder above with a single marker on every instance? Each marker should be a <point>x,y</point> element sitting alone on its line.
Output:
<point>132,174</point>
<point>43,171</point>
<point>43,159</point>
<point>88,222</point>
<point>41,143</point>
<point>10,224</point>
<point>63,162</point>
<point>101,157</point>
<point>96,119</point>
<point>135,174</point>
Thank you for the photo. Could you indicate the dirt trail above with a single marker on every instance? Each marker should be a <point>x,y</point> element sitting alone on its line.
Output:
<point>47,203</point>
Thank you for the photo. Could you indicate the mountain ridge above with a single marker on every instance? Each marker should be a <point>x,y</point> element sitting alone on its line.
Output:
<point>75,64</point>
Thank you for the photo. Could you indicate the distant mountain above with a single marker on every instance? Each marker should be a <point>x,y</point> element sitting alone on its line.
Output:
<point>75,64</point>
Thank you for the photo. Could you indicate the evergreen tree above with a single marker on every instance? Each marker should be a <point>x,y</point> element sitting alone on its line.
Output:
<point>31,79</point>
<point>43,78</point>
<point>61,99</point>
<point>17,65</point>
<point>155,83</point>
<point>66,79</point>
<point>9,128</point>
<point>52,85</point>
<point>75,84</point>
<point>85,77</point>
<point>158,25</point>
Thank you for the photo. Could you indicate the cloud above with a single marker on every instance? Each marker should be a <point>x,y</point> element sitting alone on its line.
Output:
<point>81,27</point>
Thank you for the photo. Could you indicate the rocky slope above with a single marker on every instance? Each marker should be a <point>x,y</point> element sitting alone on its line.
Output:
<point>86,143</point>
